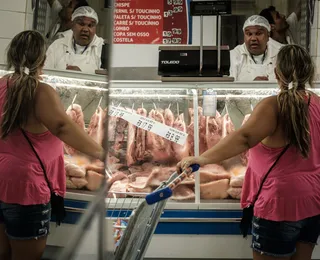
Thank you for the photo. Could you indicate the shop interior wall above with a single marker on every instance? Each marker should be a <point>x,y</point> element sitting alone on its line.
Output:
<point>140,61</point>
<point>15,16</point>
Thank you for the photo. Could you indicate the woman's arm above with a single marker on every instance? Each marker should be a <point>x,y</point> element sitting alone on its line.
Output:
<point>50,111</point>
<point>261,124</point>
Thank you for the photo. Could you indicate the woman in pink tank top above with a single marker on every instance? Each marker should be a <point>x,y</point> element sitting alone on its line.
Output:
<point>31,111</point>
<point>282,135</point>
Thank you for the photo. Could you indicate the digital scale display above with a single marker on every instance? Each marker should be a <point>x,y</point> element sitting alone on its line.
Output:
<point>198,8</point>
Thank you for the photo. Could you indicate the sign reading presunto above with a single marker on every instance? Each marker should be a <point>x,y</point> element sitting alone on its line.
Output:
<point>152,22</point>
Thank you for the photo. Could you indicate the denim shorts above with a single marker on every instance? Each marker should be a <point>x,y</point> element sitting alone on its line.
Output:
<point>279,238</point>
<point>25,222</point>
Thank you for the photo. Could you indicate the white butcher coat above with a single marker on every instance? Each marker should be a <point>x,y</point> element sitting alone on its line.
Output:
<point>243,67</point>
<point>61,53</point>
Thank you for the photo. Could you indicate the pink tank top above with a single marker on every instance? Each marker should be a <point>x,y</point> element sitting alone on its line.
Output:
<point>22,179</point>
<point>291,192</point>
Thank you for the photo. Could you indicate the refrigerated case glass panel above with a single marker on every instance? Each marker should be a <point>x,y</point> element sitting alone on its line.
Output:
<point>139,158</point>
<point>235,103</point>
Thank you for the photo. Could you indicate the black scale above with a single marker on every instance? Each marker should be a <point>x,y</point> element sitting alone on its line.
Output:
<point>194,63</point>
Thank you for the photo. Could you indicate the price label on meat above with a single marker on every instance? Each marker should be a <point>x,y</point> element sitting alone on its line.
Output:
<point>149,125</point>
<point>152,22</point>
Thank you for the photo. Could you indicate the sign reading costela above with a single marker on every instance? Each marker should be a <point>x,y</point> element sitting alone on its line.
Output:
<point>151,22</point>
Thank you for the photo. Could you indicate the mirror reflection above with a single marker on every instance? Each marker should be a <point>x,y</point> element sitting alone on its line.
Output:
<point>77,34</point>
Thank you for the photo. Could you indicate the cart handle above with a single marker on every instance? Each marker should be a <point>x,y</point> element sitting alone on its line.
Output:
<point>166,192</point>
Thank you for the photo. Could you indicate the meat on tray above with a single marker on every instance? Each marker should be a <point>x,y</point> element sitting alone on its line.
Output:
<point>76,114</point>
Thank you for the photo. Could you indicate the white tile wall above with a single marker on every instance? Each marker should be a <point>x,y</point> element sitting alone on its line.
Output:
<point>13,5</point>
<point>11,23</point>
<point>3,46</point>
<point>17,14</point>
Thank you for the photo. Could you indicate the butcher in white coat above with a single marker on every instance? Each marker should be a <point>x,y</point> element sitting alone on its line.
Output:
<point>256,58</point>
<point>80,49</point>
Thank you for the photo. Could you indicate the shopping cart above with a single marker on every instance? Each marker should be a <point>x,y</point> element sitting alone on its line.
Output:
<point>137,226</point>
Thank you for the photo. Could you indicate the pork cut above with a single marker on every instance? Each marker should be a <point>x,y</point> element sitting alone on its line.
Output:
<point>79,182</point>
<point>96,125</point>
<point>227,126</point>
<point>131,144</point>
<point>94,180</point>
<point>215,189</point>
<point>207,176</point>
<point>112,124</point>
<point>141,136</point>
<point>120,134</point>
<point>158,147</point>
<point>180,151</point>
<point>235,193</point>
<point>73,170</point>
<point>183,192</point>
<point>168,117</point>
<point>213,130</point>
<point>75,113</point>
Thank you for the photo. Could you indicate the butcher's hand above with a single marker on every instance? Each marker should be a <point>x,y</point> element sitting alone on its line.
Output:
<point>261,78</point>
<point>69,67</point>
<point>186,162</point>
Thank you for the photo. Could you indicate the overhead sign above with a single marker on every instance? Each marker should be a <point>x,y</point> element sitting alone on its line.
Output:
<point>152,22</point>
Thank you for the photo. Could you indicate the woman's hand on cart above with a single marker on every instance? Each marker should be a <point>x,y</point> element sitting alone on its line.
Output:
<point>185,163</point>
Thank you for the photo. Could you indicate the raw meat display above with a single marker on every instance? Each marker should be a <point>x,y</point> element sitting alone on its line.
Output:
<point>96,125</point>
<point>236,182</point>
<point>158,147</point>
<point>131,144</point>
<point>215,189</point>
<point>235,193</point>
<point>141,160</point>
<point>168,117</point>
<point>141,138</point>
<point>94,180</point>
<point>213,130</point>
<point>76,114</point>
<point>183,192</point>
<point>180,151</point>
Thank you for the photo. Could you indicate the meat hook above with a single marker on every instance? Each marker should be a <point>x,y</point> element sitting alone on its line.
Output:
<point>169,106</point>
<point>178,108</point>
<point>251,106</point>
<point>155,107</point>
<point>74,99</point>
<point>99,103</point>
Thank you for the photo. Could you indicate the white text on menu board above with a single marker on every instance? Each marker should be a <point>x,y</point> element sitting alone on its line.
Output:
<point>130,23</point>
<point>149,125</point>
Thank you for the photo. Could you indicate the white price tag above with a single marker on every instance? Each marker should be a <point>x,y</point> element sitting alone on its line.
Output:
<point>150,125</point>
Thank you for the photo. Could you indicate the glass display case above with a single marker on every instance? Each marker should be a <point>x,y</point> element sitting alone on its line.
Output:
<point>206,206</point>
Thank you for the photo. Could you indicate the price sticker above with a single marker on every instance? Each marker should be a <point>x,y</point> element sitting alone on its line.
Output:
<point>150,125</point>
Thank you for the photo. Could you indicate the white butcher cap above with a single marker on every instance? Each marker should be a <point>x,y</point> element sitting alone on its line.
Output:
<point>257,20</point>
<point>86,11</point>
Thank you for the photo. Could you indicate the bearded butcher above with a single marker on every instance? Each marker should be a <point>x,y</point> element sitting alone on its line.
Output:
<point>255,59</point>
